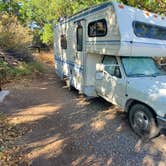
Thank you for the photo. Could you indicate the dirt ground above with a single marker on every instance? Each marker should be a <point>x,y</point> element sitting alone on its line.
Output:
<point>64,129</point>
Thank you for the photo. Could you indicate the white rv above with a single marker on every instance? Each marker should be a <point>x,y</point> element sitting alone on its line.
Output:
<point>108,51</point>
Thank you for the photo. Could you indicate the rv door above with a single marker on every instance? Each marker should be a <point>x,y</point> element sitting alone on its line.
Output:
<point>79,53</point>
<point>79,47</point>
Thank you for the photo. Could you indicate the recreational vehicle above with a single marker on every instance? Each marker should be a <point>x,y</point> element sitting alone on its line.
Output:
<point>109,50</point>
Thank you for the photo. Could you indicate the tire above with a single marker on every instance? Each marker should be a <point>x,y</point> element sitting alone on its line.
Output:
<point>143,121</point>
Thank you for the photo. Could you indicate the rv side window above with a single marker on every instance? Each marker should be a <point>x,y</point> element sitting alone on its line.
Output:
<point>63,42</point>
<point>146,30</point>
<point>97,28</point>
<point>79,38</point>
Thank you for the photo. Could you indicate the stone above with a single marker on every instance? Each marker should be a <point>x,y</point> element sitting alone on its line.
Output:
<point>3,94</point>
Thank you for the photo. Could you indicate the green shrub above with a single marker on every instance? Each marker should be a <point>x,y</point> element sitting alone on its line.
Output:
<point>14,37</point>
<point>21,69</point>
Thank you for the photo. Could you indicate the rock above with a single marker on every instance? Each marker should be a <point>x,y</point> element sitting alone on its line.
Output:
<point>3,94</point>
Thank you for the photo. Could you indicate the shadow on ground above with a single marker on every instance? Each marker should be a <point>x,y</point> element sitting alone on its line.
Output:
<point>65,129</point>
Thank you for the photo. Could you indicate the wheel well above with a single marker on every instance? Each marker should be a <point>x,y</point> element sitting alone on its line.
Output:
<point>132,102</point>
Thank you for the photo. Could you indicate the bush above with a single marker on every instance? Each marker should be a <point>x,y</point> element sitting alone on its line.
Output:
<point>14,38</point>
<point>21,69</point>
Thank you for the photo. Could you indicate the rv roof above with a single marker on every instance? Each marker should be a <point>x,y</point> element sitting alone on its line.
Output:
<point>91,8</point>
<point>128,9</point>
<point>86,11</point>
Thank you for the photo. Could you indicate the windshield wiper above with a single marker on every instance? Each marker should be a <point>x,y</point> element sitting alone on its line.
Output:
<point>146,75</point>
<point>137,75</point>
<point>158,74</point>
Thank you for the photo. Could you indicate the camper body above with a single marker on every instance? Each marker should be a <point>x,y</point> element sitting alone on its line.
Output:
<point>108,51</point>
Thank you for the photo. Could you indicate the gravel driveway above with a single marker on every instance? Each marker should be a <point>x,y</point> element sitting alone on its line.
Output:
<point>66,130</point>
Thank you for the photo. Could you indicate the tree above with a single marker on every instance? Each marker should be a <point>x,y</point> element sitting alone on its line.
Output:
<point>156,6</point>
<point>9,6</point>
<point>41,15</point>
<point>14,37</point>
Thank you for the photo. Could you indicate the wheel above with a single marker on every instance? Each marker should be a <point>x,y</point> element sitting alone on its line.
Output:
<point>142,121</point>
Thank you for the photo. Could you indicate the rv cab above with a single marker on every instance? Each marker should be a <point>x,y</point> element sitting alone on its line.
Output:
<point>136,79</point>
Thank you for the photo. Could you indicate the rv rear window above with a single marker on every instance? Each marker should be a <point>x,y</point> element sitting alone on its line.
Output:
<point>146,30</point>
<point>97,28</point>
<point>63,42</point>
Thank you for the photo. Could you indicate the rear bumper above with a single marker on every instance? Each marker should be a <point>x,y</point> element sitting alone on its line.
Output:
<point>161,121</point>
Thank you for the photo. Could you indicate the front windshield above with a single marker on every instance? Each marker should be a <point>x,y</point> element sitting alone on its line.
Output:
<point>141,66</point>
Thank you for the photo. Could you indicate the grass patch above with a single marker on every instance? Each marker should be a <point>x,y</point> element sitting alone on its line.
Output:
<point>46,57</point>
<point>21,69</point>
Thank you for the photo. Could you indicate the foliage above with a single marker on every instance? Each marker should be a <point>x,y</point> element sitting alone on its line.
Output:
<point>47,36</point>
<point>156,6</point>
<point>21,69</point>
<point>41,15</point>
<point>13,36</point>
<point>9,6</point>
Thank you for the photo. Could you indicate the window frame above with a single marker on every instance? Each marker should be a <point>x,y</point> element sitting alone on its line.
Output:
<point>95,22</point>
<point>63,46</point>
<point>113,75</point>
<point>147,24</point>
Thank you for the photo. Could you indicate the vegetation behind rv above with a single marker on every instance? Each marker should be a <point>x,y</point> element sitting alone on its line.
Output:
<point>48,12</point>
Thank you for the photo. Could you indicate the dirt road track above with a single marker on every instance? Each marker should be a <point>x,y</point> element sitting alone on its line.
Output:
<point>67,130</point>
